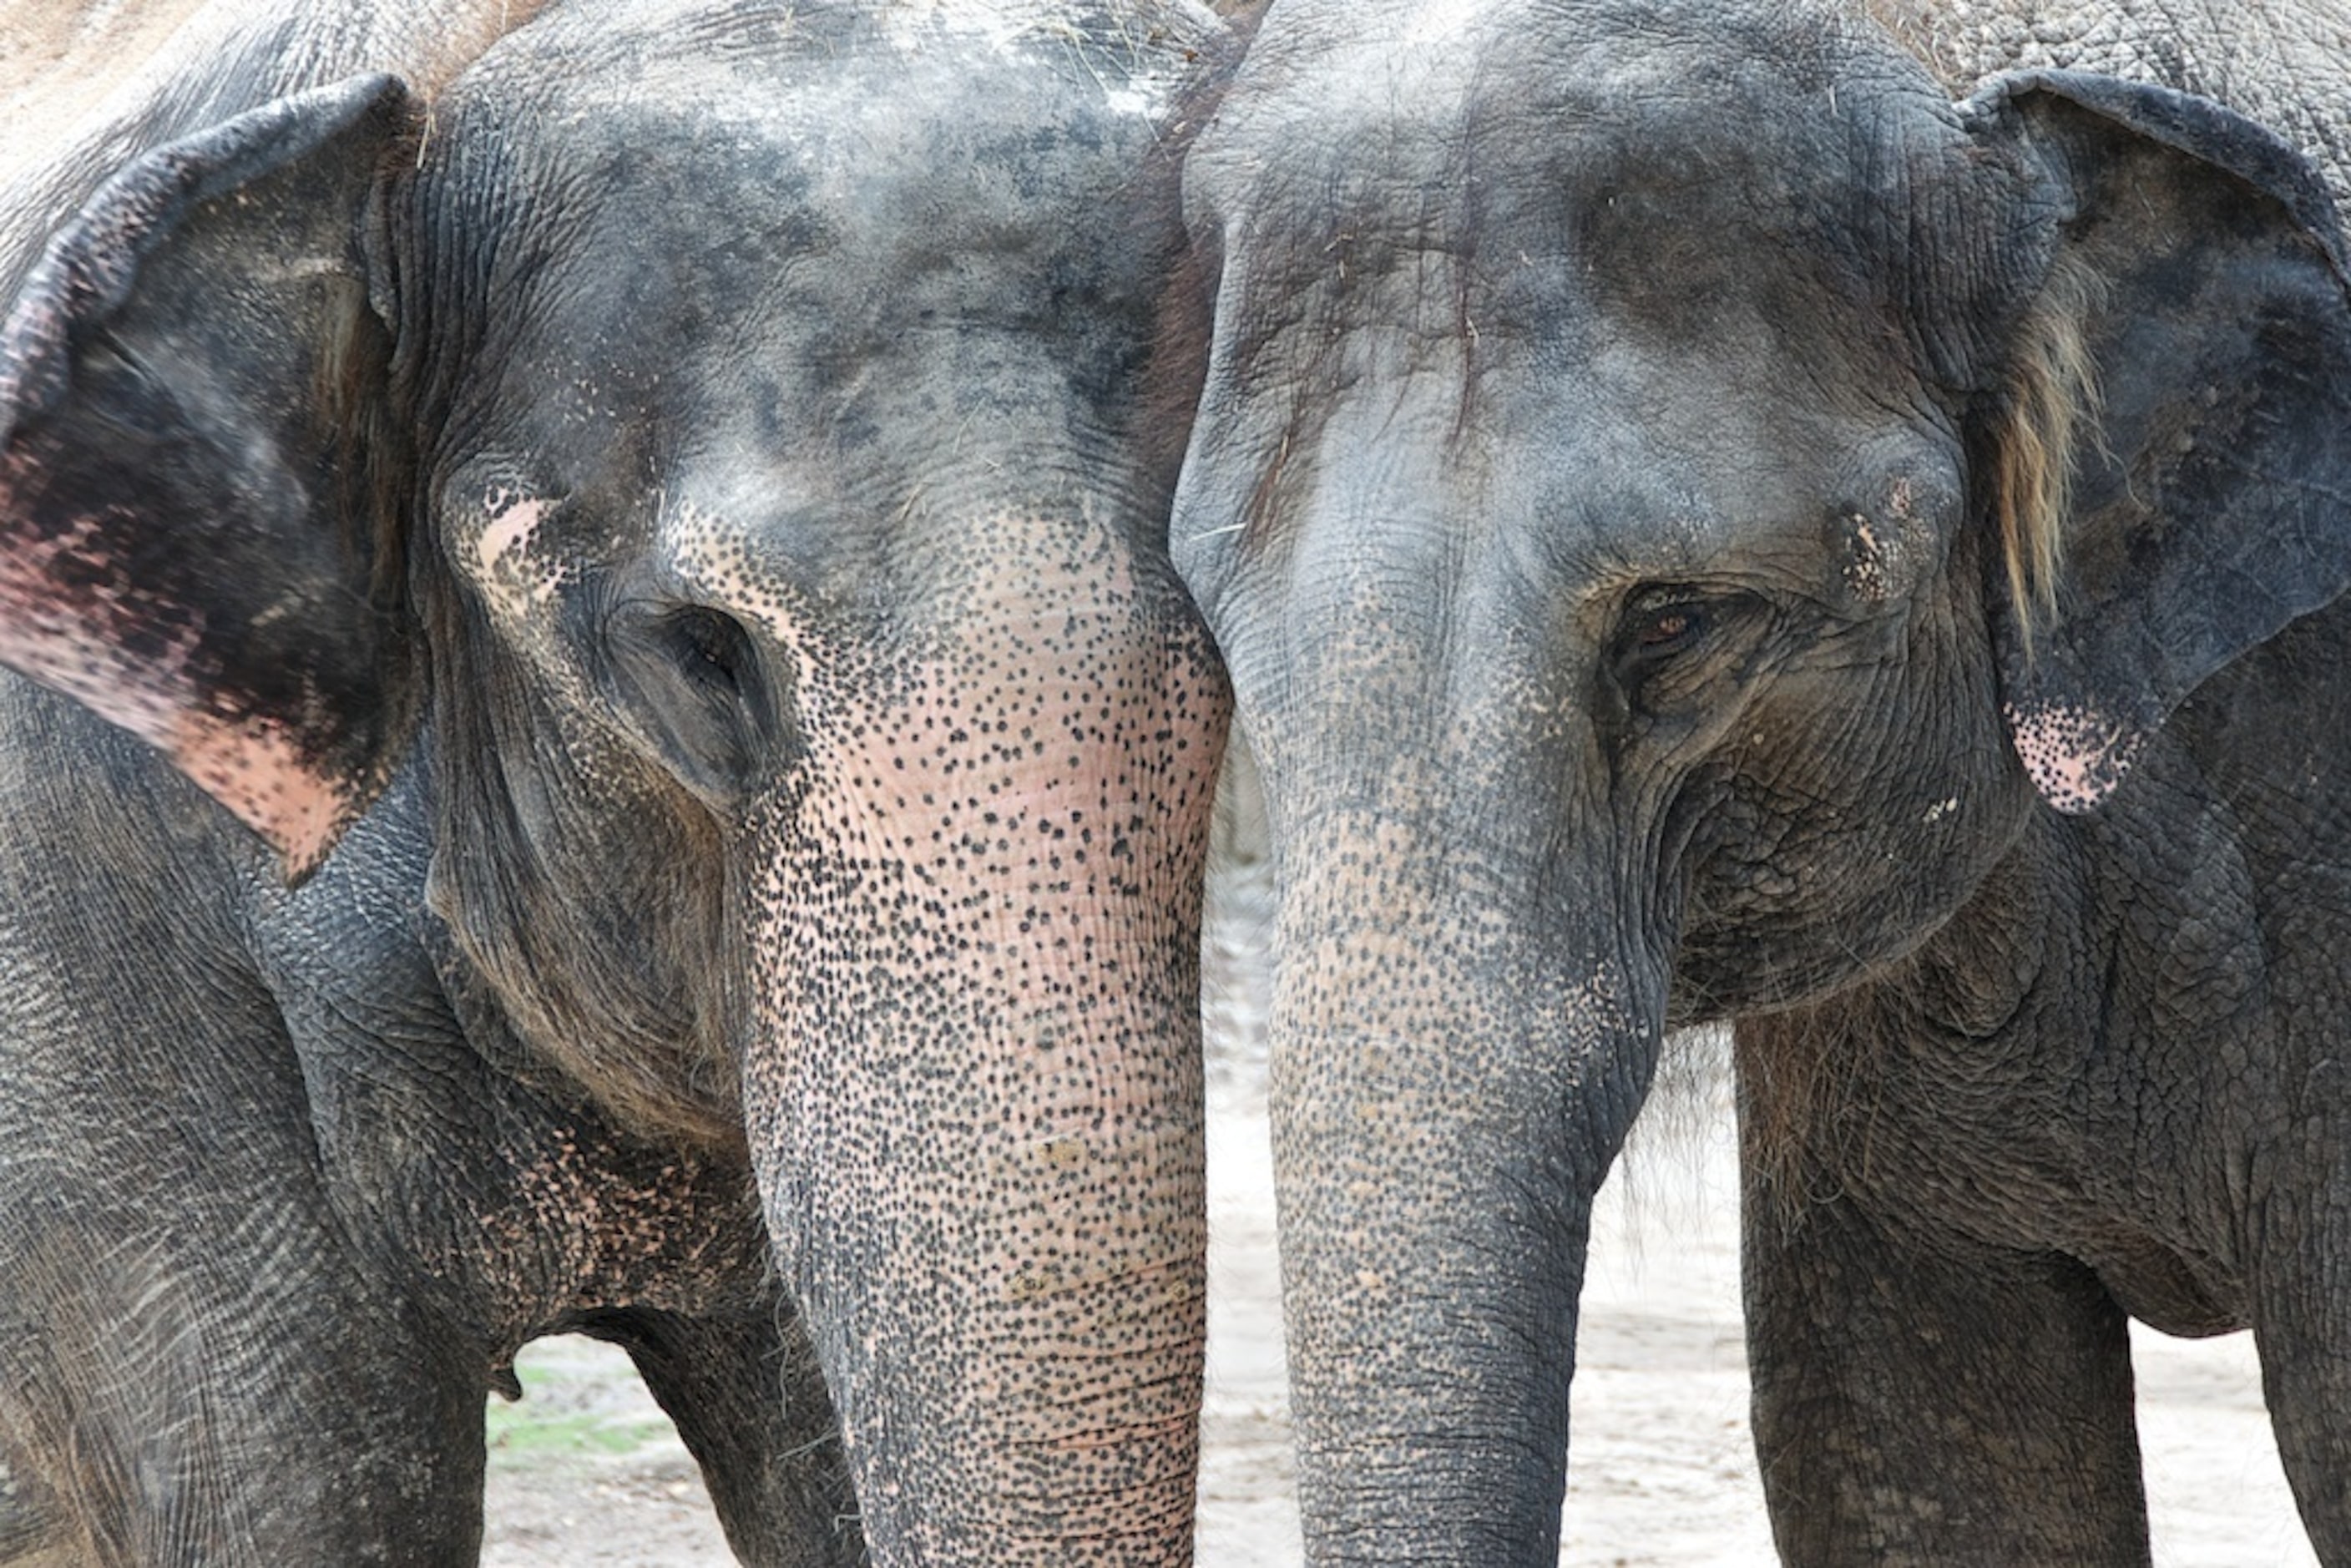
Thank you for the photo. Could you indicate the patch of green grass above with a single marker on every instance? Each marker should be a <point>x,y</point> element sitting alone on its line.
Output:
<point>569,1411</point>
<point>520,1431</point>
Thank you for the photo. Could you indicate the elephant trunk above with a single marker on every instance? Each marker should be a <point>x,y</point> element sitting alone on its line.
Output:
<point>973,1090</point>
<point>1455,1066</point>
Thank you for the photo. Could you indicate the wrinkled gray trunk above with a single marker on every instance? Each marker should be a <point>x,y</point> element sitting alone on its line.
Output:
<point>1454,1072</point>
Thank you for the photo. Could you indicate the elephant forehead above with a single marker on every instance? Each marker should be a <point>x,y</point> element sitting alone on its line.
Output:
<point>1605,457</point>
<point>1577,52</point>
<point>867,271</point>
<point>1626,288</point>
<point>918,25</point>
<point>1538,124</point>
<point>859,90</point>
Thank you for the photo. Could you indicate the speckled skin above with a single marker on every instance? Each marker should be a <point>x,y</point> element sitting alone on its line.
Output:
<point>734,442</point>
<point>1593,496</point>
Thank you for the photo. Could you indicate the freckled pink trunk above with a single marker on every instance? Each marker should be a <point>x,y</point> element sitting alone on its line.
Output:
<point>974,1093</point>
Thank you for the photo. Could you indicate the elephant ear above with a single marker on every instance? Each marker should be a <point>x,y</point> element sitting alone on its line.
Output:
<point>200,482</point>
<point>2189,350</point>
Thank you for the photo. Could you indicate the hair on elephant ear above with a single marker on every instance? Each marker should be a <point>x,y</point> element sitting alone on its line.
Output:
<point>2176,444</point>
<point>2051,406</point>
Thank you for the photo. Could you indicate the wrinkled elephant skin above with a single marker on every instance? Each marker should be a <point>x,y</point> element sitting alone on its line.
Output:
<point>1704,526</point>
<point>662,535</point>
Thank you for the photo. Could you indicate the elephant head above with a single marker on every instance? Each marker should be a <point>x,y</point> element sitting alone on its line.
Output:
<point>717,442</point>
<point>1678,496</point>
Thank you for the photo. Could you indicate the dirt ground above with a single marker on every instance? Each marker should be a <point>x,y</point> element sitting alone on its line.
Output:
<point>585,1474</point>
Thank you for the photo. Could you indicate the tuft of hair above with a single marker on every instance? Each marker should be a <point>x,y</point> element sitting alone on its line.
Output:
<point>1677,1166</point>
<point>2050,407</point>
<point>1814,1086</point>
<point>2051,396</point>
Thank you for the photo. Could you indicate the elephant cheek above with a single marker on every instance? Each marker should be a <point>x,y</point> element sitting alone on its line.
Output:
<point>973,1092</point>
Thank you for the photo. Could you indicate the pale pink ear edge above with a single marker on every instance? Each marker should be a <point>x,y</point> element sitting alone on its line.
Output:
<point>2075,756</point>
<point>256,772</point>
<point>254,768</point>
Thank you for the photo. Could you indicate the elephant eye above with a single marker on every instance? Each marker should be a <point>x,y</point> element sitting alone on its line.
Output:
<point>1659,623</point>
<point>689,681</point>
<point>1666,630</point>
<point>712,650</point>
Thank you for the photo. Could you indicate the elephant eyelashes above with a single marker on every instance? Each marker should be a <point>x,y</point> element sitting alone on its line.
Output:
<point>691,681</point>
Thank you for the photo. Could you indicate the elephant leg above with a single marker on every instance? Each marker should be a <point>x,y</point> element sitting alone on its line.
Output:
<point>2301,1322</point>
<point>749,1402</point>
<point>1934,1403</point>
<point>234,1472</point>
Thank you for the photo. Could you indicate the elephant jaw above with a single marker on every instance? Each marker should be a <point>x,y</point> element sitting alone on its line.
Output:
<point>973,1090</point>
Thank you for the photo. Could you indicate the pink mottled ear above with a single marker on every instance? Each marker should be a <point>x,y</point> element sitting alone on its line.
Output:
<point>200,474</point>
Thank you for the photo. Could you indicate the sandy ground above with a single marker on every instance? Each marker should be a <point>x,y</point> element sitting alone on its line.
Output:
<point>587,1475</point>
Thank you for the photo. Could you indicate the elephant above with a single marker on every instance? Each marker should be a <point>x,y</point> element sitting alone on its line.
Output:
<point>604,738</point>
<point>1703,527</point>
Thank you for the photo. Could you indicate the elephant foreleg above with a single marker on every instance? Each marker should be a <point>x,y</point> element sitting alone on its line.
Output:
<point>1935,1403</point>
<point>2302,1321</point>
<point>750,1402</point>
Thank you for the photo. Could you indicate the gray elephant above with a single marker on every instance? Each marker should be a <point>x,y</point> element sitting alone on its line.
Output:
<point>1703,526</point>
<point>660,531</point>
